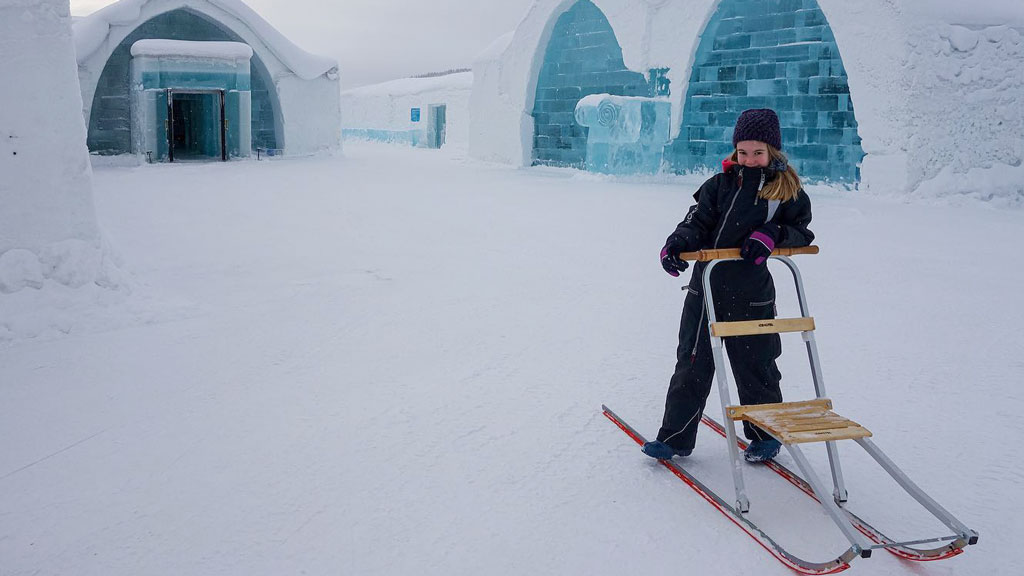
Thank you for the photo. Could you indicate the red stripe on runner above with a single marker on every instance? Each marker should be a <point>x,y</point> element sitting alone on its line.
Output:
<point>725,512</point>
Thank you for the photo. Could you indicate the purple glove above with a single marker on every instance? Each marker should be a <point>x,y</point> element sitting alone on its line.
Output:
<point>758,247</point>
<point>670,258</point>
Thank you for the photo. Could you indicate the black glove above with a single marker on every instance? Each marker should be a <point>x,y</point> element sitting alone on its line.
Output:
<point>670,256</point>
<point>759,245</point>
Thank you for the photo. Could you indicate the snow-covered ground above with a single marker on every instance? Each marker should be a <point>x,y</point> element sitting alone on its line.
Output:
<point>393,362</point>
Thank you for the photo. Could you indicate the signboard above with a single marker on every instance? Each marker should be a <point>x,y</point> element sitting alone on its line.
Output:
<point>414,115</point>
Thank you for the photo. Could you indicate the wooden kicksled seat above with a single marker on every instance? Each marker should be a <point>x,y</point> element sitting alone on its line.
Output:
<point>800,422</point>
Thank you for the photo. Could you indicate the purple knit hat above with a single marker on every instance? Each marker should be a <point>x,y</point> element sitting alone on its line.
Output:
<point>761,124</point>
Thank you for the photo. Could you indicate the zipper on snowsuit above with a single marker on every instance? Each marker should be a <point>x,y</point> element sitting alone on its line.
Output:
<point>703,309</point>
<point>700,325</point>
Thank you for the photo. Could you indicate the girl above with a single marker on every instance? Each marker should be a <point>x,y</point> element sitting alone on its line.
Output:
<point>755,203</point>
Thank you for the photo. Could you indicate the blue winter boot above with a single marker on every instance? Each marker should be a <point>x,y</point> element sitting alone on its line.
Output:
<point>762,450</point>
<point>661,451</point>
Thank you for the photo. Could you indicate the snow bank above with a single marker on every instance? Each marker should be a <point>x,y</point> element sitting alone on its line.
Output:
<point>65,287</point>
<point>383,111</point>
<point>1000,184</point>
<point>19,268</point>
<point>49,239</point>
<point>936,85</point>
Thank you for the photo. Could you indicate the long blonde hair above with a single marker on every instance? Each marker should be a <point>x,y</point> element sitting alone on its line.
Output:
<point>786,185</point>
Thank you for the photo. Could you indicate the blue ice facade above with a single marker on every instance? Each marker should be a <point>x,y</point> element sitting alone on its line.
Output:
<point>110,118</point>
<point>778,54</point>
<point>191,107</point>
<point>583,57</point>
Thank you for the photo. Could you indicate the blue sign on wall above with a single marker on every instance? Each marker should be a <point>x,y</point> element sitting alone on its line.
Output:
<point>414,115</point>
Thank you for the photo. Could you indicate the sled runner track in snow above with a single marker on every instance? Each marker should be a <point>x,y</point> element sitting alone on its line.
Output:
<point>799,565</point>
<point>900,549</point>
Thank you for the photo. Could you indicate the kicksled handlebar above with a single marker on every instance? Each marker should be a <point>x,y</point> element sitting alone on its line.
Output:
<point>727,253</point>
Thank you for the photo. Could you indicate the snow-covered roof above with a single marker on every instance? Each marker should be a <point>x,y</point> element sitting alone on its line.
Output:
<point>91,32</point>
<point>457,81</point>
<point>226,50</point>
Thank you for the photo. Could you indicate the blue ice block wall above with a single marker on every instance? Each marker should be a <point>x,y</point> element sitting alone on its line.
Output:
<point>582,57</point>
<point>110,119</point>
<point>778,54</point>
<point>625,135</point>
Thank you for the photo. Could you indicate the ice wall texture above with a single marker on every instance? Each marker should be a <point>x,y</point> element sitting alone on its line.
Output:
<point>778,54</point>
<point>971,138</point>
<point>582,57</point>
<point>47,222</point>
<point>110,119</point>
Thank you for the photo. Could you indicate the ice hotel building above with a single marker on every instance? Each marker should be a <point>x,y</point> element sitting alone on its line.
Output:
<point>177,79</point>
<point>872,91</point>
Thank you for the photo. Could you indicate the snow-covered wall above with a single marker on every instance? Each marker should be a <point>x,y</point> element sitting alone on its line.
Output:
<point>305,85</point>
<point>936,83</point>
<point>382,111</point>
<point>968,136</point>
<point>48,225</point>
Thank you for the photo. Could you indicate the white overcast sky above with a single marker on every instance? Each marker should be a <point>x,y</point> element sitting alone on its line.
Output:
<point>378,40</point>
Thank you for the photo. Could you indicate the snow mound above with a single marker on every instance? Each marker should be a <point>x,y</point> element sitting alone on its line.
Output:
<point>68,286</point>
<point>1001,185</point>
<point>71,263</point>
<point>19,269</point>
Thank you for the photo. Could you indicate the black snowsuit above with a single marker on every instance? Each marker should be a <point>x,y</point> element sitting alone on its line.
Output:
<point>727,211</point>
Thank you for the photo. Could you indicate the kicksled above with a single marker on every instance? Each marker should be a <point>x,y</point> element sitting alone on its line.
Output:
<point>794,424</point>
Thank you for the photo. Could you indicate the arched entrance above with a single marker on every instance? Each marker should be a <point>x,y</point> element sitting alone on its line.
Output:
<point>110,119</point>
<point>778,54</point>
<point>582,57</point>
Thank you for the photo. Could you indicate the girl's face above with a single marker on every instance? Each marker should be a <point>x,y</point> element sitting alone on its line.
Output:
<point>752,154</point>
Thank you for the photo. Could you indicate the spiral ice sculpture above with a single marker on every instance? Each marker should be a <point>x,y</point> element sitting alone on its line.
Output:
<point>610,118</point>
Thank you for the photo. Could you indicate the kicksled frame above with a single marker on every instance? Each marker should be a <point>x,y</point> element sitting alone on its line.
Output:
<point>805,325</point>
<point>794,423</point>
